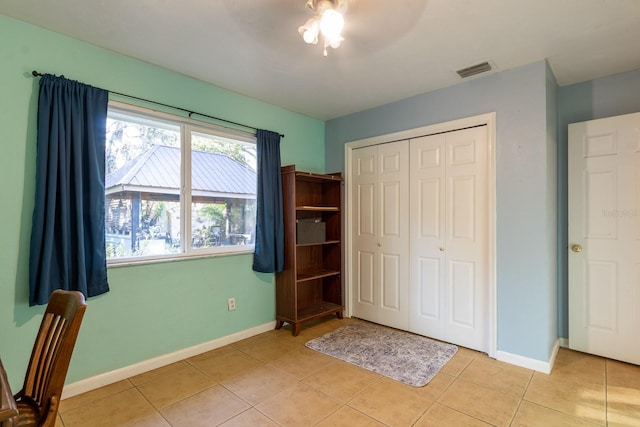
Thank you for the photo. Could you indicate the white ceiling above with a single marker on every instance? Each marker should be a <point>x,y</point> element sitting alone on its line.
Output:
<point>392,49</point>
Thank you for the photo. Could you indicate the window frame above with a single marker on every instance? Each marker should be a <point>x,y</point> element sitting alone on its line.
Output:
<point>187,126</point>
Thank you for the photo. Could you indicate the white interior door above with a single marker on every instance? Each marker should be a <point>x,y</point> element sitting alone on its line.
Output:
<point>449,283</point>
<point>380,234</point>
<point>604,237</point>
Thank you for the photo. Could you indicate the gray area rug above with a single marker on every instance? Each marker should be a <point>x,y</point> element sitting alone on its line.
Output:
<point>411,359</point>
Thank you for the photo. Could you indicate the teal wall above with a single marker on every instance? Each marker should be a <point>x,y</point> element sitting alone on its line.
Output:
<point>152,309</point>
<point>605,97</point>
<point>526,183</point>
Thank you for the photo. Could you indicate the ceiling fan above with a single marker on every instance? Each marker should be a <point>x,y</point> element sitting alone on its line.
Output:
<point>327,21</point>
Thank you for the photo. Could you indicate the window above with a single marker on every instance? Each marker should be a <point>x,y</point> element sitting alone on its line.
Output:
<point>168,177</point>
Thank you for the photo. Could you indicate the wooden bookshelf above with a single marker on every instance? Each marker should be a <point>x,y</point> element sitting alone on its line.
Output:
<point>310,286</point>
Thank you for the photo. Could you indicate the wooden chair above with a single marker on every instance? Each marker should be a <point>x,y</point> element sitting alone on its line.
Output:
<point>39,398</point>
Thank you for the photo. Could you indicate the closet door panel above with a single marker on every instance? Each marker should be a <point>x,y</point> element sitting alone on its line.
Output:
<point>427,215</point>
<point>428,221</point>
<point>393,243</point>
<point>461,208</point>
<point>365,203</point>
<point>391,286</point>
<point>466,242</point>
<point>448,236</point>
<point>364,233</point>
<point>365,278</point>
<point>390,234</point>
<point>460,285</point>
<point>390,196</point>
<point>428,290</point>
<point>380,234</point>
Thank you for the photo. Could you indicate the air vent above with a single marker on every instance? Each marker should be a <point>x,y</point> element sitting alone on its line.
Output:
<point>474,69</point>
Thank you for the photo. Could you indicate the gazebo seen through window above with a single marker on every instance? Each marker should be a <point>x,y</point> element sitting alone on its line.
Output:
<point>166,179</point>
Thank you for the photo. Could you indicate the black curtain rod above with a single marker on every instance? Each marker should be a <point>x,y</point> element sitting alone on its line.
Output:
<point>35,73</point>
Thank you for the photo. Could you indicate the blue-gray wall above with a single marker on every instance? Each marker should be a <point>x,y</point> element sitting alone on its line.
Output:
<point>517,98</point>
<point>595,99</point>
<point>552,203</point>
<point>523,100</point>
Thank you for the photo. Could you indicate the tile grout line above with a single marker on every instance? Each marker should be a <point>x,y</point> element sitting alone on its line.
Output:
<point>330,414</point>
<point>522,399</point>
<point>260,412</point>
<point>435,400</point>
<point>455,378</point>
<point>151,403</point>
<point>513,417</point>
<point>472,416</point>
<point>366,415</point>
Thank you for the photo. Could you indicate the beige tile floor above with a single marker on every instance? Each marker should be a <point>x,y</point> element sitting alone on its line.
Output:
<point>272,379</point>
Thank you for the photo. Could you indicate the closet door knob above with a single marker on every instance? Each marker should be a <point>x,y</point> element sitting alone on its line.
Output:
<point>576,248</point>
<point>441,249</point>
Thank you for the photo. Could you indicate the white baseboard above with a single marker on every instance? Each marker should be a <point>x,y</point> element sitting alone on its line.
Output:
<point>107,378</point>
<point>564,342</point>
<point>526,362</point>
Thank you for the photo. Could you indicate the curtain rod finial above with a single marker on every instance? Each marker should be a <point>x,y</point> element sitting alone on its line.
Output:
<point>34,73</point>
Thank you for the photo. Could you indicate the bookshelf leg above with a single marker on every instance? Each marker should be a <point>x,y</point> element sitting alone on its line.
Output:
<point>296,329</point>
<point>279,324</point>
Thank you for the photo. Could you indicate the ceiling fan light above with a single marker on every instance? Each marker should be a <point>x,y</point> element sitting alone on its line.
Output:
<point>309,31</point>
<point>335,43</point>
<point>310,37</point>
<point>328,20</point>
<point>331,23</point>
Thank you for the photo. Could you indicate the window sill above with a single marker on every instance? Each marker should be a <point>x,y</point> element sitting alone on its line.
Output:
<point>128,262</point>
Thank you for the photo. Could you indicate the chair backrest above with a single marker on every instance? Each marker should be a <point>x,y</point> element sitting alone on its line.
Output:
<point>52,350</point>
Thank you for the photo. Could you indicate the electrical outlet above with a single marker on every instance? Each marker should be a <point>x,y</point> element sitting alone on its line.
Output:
<point>231,304</point>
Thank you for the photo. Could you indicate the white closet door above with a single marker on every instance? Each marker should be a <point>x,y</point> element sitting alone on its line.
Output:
<point>428,240</point>
<point>364,183</point>
<point>604,237</point>
<point>381,234</point>
<point>449,242</point>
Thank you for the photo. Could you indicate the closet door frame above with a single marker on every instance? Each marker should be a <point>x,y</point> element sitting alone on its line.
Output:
<point>489,120</point>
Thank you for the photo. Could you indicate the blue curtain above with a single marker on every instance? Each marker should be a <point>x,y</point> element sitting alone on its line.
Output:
<point>67,236</point>
<point>269,245</point>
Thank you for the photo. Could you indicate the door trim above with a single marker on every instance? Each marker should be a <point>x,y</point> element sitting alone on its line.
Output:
<point>488,119</point>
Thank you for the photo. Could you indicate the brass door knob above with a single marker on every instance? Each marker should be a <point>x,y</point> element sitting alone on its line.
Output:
<point>576,248</point>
